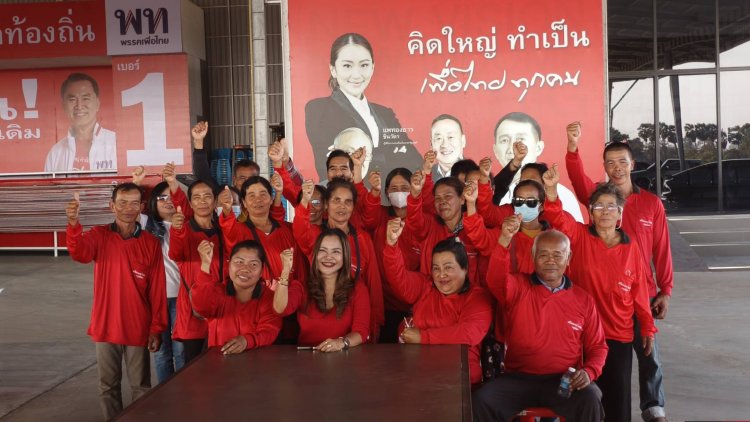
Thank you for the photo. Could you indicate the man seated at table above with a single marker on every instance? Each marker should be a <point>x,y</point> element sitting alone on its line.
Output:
<point>551,325</point>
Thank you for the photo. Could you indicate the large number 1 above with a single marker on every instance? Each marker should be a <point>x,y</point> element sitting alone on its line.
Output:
<point>150,93</point>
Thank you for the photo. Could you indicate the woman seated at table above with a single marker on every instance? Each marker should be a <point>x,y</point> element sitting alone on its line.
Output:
<point>240,312</point>
<point>447,308</point>
<point>332,310</point>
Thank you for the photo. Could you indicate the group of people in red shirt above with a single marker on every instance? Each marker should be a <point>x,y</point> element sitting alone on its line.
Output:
<point>523,279</point>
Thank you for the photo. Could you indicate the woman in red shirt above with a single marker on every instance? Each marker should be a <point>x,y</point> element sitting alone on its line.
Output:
<point>240,313</point>
<point>341,201</point>
<point>447,308</point>
<point>333,310</point>
<point>609,266</point>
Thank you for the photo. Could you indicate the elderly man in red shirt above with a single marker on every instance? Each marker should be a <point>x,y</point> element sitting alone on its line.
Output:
<point>129,312</point>
<point>551,325</point>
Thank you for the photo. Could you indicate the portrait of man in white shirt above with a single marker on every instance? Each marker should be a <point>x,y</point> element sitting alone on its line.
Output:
<point>87,145</point>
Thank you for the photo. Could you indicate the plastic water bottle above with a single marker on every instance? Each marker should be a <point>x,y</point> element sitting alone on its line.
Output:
<point>564,389</point>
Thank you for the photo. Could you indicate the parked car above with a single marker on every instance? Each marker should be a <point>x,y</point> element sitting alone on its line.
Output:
<point>646,178</point>
<point>697,188</point>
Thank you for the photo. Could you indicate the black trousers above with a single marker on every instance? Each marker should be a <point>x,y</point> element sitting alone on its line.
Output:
<point>193,348</point>
<point>615,381</point>
<point>502,398</point>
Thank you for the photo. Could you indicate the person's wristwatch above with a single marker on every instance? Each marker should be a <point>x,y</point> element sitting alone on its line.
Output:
<point>346,342</point>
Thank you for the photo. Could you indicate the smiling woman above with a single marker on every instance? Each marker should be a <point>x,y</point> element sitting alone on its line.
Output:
<point>351,67</point>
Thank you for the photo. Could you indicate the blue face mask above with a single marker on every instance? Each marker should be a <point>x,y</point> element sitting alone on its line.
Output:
<point>527,213</point>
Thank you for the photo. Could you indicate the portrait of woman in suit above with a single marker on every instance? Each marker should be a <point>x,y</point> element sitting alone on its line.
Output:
<point>351,67</point>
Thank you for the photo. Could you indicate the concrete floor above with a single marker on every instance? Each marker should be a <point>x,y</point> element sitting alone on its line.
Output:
<point>48,372</point>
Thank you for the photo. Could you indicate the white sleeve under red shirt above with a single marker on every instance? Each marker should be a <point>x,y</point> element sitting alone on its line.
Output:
<point>228,318</point>
<point>614,276</point>
<point>644,219</point>
<point>129,285</point>
<point>546,332</point>
<point>459,318</point>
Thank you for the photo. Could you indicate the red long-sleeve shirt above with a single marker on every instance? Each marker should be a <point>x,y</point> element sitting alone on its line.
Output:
<point>493,214</point>
<point>546,332</point>
<point>316,326</point>
<point>183,249</point>
<point>427,227</point>
<point>644,219</point>
<point>409,248</point>
<point>614,276</point>
<point>280,239</point>
<point>306,234</point>
<point>129,284</point>
<point>459,318</point>
<point>228,318</point>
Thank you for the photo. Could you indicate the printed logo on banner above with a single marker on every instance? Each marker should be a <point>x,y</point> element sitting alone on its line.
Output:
<point>143,27</point>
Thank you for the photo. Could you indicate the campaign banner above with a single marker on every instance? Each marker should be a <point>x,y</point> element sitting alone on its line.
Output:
<point>40,111</point>
<point>465,80</point>
<point>143,27</point>
<point>52,30</point>
<point>152,110</point>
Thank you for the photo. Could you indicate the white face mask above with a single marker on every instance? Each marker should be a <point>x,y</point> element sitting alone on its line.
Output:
<point>398,199</point>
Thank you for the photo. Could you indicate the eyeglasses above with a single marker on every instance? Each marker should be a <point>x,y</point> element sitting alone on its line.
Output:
<point>609,207</point>
<point>315,203</point>
<point>162,198</point>
<point>531,202</point>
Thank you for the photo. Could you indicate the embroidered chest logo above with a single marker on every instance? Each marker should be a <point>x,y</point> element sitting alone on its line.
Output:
<point>647,223</point>
<point>575,326</point>
<point>139,274</point>
<point>623,286</point>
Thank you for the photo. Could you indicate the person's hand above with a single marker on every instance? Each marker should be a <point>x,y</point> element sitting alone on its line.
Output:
<point>277,183</point>
<point>169,175</point>
<point>374,179</point>
<point>648,345</point>
<point>358,156</point>
<point>551,178</point>
<point>411,335</point>
<point>393,230</point>
<point>417,183</point>
<point>178,219</point>
<point>206,251</point>
<point>519,153</point>
<point>276,154</point>
<point>234,346</point>
<point>429,160</point>
<point>308,187</point>
<point>154,343</point>
<point>287,259</point>
<point>72,210</point>
<point>138,175</point>
<point>198,133</point>
<point>579,380</point>
<point>574,135</point>
<point>471,192</point>
<point>660,305</point>
<point>331,345</point>
<point>225,201</point>
<point>285,148</point>
<point>511,226</point>
<point>485,167</point>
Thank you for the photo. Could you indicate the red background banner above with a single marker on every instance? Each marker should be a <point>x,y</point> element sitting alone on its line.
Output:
<point>401,80</point>
<point>53,30</point>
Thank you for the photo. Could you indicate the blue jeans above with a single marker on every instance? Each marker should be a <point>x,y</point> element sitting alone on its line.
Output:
<point>170,358</point>
<point>650,377</point>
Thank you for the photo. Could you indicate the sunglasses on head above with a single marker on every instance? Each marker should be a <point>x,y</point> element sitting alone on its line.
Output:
<point>531,202</point>
<point>162,197</point>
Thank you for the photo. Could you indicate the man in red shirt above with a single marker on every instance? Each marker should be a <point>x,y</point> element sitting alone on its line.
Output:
<point>645,220</point>
<point>129,311</point>
<point>551,325</point>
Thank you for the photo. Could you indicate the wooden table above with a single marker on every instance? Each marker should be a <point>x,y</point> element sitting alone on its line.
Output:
<point>382,382</point>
